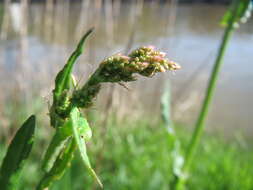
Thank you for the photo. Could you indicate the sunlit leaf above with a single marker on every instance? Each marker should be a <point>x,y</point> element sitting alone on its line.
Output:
<point>57,144</point>
<point>63,78</point>
<point>60,166</point>
<point>17,153</point>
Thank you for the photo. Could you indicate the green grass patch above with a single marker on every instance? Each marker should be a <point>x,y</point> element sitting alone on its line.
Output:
<point>136,156</point>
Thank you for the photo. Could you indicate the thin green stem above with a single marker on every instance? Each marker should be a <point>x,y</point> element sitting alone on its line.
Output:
<point>179,183</point>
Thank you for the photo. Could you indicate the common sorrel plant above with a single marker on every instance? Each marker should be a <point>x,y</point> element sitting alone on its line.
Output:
<point>72,128</point>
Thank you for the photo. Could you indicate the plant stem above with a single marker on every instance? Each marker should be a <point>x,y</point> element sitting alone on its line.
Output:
<point>179,183</point>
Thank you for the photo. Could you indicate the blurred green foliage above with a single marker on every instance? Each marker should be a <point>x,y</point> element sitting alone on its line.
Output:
<point>136,156</point>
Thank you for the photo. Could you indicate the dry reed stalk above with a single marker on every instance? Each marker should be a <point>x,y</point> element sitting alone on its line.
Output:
<point>5,20</point>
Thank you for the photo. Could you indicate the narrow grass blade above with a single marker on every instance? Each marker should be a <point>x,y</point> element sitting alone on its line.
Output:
<point>174,143</point>
<point>17,154</point>
<point>165,111</point>
<point>61,164</point>
<point>74,118</point>
<point>63,78</point>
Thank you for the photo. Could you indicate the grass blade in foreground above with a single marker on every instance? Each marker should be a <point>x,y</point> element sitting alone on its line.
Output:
<point>236,11</point>
<point>173,141</point>
<point>17,154</point>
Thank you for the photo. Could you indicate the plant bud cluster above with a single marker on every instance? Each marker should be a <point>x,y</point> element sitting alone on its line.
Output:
<point>144,61</point>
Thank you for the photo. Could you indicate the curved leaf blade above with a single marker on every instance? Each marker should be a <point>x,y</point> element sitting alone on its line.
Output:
<point>61,164</point>
<point>56,146</point>
<point>63,78</point>
<point>17,153</point>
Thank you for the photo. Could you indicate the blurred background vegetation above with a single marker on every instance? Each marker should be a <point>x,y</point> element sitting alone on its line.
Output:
<point>130,148</point>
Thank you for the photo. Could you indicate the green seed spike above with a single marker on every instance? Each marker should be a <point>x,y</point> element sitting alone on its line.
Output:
<point>61,164</point>
<point>75,118</point>
<point>17,153</point>
<point>63,79</point>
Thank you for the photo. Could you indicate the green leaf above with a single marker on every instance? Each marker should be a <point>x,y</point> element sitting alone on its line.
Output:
<point>75,118</point>
<point>17,154</point>
<point>61,164</point>
<point>243,14</point>
<point>60,152</point>
<point>57,145</point>
<point>60,138</point>
<point>63,78</point>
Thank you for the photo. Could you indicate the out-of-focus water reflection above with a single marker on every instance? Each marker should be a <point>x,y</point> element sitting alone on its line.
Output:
<point>189,34</point>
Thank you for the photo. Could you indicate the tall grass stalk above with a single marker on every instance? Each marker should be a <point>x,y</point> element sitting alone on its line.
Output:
<point>195,139</point>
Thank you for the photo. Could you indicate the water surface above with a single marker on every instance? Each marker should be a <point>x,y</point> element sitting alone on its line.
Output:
<point>34,49</point>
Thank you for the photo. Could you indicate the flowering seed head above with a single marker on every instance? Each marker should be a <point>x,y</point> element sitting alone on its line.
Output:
<point>151,47</point>
<point>145,61</point>
<point>162,54</point>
